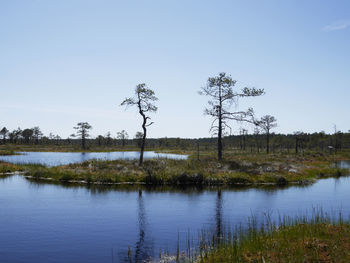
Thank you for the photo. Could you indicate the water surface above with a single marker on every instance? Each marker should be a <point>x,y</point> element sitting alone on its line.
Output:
<point>42,222</point>
<point>62,158</point>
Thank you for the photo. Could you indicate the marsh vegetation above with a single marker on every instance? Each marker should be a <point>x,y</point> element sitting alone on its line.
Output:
<point>224,161</point>
<point>243,169</point>
<point>319,238</point>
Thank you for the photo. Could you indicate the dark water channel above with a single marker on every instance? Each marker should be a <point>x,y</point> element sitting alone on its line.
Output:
<point>41,222</point>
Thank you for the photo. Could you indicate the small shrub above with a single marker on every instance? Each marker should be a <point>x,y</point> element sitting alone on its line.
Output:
<point>187,179</point>
<point>39,173</point>
<point>280,180</point>
<point>234,165</point>
<point>88,178</point>
<point>66,178</point>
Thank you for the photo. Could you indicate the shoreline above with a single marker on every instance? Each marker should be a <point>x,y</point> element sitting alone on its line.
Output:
<point>305,183</point>
<point>239,183</point>
<point>238,170</point>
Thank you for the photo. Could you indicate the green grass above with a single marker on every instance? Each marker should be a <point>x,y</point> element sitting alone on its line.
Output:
<point>237,169</point>
<point>320,239</point>
<point>10,168</point>
<point>206,172</point>
<point>7,152</point>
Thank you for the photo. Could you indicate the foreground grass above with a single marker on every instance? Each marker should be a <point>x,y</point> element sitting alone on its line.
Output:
<point>234,170</point>
<point>315,241</point>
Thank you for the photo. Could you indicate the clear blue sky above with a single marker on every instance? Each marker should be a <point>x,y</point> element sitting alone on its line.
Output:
<point>62,62</point>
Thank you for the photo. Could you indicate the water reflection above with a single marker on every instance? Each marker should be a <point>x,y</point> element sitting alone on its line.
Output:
<point>343,164</point>
<point>191,191</point>
<point>143,247</point>
<point>147,219</point>
<point>63,158</point>
<point>218,215</point>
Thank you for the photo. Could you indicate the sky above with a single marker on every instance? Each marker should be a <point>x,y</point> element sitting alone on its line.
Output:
<point>69,61</point>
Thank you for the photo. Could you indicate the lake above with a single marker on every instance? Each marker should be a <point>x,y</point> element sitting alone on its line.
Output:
<point>41,222</point>
<point>62,158</point>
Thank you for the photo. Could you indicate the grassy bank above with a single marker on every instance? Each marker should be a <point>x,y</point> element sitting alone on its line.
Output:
<point>298,240</point>
<point>10,168</point>
<point>236,170</point>
<point>7,152</point>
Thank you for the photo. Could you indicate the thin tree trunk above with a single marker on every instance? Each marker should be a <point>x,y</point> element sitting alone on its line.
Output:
<point>220,140</point>
<point>143,139</point>
<point>244,140</point>
<point>268,143</point>
<point>197,150</point>
<point>220,129</point>
<point>83,140</point>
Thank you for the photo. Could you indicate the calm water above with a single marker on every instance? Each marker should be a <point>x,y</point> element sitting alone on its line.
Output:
<point>42,222</point>
<point>62,158</point>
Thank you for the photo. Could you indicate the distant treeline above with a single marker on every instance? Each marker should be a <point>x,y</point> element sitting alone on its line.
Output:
<point>296,142</point>
<point>222,93</point>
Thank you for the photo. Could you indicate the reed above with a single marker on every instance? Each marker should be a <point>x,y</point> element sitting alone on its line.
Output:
<point>320,237</point>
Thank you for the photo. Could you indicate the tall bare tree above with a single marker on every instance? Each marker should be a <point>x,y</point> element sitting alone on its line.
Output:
<point>266,123</point>
<point>144,100</point>
<point>123,136</point>
<point>83,129</point>
<point>220,90</point>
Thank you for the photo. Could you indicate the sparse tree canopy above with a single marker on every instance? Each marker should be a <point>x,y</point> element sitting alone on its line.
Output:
<point>220,90</point>
<point>144,100</point>
<point>83,129</point>
<point>138,135</point>
<point>266,123</point>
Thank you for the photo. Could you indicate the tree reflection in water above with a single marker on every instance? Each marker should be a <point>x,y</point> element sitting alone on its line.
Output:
<point>143,247</point>
<point>218,215</point>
